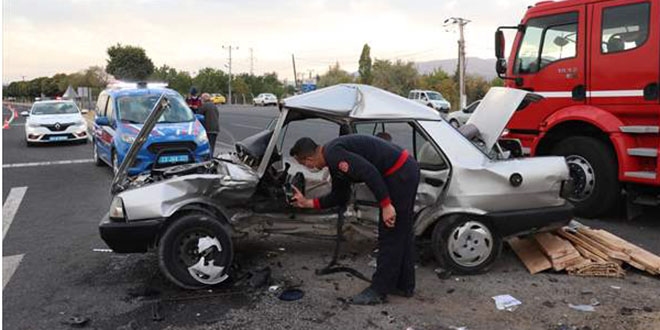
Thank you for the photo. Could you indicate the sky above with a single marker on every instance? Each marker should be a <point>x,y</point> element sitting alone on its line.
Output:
<point>42,38</point>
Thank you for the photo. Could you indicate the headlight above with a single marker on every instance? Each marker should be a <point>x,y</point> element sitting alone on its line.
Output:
<point>81,122</point>
<point>201,138</point>
<point>117,209</point>
<point>127,138</point>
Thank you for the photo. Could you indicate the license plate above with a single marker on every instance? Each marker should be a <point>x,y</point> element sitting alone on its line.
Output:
<point>57,138</point>
<point>169,159</point>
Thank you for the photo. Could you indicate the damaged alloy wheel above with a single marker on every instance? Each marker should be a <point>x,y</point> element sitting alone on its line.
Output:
<point>465,244</point>
<point>195,251</point>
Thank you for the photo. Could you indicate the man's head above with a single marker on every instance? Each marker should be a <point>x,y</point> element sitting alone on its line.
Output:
<point>206,97</point>
<point>193,91</point>
<point>308,153</point>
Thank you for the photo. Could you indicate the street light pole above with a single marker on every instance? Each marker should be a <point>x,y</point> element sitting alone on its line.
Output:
<point>461,22</point>
<point>229,93</point>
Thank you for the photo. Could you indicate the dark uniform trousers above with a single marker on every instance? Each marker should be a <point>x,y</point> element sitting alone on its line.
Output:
<point>396,260</point>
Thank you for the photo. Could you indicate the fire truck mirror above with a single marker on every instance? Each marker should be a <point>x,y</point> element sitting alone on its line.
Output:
<point>500,66</point>
<point>499,44</point>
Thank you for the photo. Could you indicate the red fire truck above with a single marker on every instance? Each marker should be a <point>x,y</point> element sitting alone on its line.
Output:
<point>597,64</point>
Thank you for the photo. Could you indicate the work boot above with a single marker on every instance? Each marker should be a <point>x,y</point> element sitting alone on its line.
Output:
<point>368,296</point>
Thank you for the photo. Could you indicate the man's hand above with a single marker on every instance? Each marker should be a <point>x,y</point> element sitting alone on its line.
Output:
<point>299,200</point>
<point>389,216</point>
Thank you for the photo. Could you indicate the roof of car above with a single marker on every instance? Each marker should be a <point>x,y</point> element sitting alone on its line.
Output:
<point>118,92</point>
<point>55,101</point>
<point>360,102</point>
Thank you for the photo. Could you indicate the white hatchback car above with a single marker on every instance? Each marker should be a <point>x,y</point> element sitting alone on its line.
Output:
<point>54,121</point>
<point>264,99</point>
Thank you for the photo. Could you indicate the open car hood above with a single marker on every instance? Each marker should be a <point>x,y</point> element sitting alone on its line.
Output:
<point>495,110</point>
<point>119,183</point>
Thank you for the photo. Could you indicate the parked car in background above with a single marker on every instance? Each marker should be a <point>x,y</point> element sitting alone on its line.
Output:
<point>54,121</point>
<point>460,117</point>
<point>264,99</point>
<point>178,137</point>
<point>431,99</point>
<point>471,194</point>
<point>218,98</point>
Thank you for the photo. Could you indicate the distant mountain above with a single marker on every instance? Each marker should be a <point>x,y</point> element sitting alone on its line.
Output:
<point>475,66</point>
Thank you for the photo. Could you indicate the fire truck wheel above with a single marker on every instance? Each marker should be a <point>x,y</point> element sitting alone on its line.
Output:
<point>593,168</point>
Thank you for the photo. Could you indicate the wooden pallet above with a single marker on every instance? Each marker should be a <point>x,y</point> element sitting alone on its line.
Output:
<point>582,251</point>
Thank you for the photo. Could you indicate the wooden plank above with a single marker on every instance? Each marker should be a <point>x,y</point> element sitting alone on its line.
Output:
<point>612,245</point>
<point>529,253</point>
<point>578,242</point>
<point>587,254</point>
<point>639,255</point>
<point>618,255</point>
<point>558,266</point>
<point>553,246</point>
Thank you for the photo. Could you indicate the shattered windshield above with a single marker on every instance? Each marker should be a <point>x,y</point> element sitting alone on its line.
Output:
<point>134,109</point>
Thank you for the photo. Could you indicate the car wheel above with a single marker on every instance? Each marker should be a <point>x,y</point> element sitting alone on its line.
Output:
<point>97,159</point>
<point>115,162</point>
<point>593,168</point>
<point>195,251</point>
<point>465,244</point>
<point>454,123</point>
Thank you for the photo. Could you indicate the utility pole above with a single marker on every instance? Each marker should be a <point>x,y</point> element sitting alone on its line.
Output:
<point>461,22</point>
<point>229,48</point>
<point>251,62</point>
<point>295,75</point>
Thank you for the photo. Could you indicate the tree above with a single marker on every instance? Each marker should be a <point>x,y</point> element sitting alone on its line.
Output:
<point>476,88</point>
<point>129,63</point>
<point>334,76</point>
<point>209,80</point>
<point>240,87</point>
<point>398,77</point>
<point>365,65</point>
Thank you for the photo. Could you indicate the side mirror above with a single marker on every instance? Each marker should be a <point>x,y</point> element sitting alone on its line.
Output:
<point>84,111</point>
<point>200,118</point>
<point>500,66</point>
<point>25,113</point>
<point>499,44</point>
<point>102,121</point>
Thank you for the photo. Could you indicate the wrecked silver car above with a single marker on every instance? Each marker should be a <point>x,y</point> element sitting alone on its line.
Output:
<point>473,192</point>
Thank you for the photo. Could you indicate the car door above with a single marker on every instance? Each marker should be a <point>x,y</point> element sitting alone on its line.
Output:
<point>434,169</point>
<point>103,134</point>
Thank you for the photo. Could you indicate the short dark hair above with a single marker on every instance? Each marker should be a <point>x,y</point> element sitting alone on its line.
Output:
<point>304,147</point>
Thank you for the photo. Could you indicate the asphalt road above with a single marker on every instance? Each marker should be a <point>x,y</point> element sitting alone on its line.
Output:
<point>61,268</point>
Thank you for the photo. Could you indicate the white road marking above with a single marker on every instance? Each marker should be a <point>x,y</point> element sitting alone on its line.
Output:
<point>247,126</point>
<point>59,162</point>
<point>9,266</point>
<point>9,209</point>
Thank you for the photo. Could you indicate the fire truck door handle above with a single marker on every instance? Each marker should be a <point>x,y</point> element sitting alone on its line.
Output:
<point>651,91</point>
<point>579,93</point>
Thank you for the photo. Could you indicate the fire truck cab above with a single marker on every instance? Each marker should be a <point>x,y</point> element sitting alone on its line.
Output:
<point>597,65</point>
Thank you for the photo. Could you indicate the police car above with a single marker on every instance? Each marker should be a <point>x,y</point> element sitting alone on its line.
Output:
<point>472,194</point>
<point>54,121</point>
<point>177,137</point>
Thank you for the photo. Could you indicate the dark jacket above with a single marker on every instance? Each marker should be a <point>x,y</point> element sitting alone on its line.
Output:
<point>210,113</point>
<point>359,158</point>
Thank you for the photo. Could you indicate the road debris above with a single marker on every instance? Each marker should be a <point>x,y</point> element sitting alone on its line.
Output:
<point>506,302</point>
<point>77,321</point>
<point>548,304</point>
<point>291,294</point>
<point>582,308</point>
<point>582,251</point>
